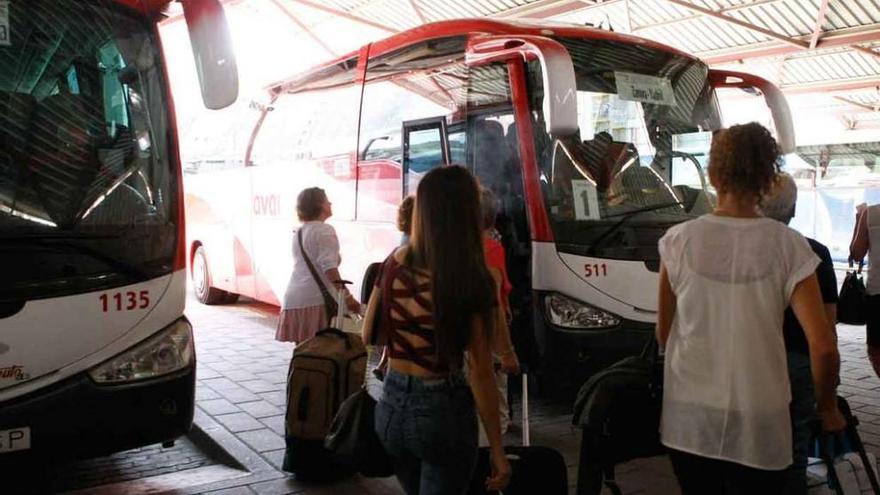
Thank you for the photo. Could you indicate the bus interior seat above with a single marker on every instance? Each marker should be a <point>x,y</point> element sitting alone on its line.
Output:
<point>695,200</point>
<point>514,200</point>
<point>64,161</point>
<point>512,138</point>
<point>491,154</point>
<point>16,114</point>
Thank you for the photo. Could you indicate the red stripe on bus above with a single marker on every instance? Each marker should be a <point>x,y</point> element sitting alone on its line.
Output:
<point>538,221</point>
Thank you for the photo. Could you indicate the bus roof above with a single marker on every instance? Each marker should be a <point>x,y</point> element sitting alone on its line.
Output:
<point>458,27</point>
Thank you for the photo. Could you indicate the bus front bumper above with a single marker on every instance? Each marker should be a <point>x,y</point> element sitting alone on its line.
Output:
<point>571,356</point>
<point>77,418</point>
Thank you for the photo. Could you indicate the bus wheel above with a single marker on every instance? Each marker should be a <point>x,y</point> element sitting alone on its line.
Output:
<point>202,280</point>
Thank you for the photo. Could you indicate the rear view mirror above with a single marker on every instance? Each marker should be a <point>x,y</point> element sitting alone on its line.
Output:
<point>560,90</point>
<point>773,97</point>
<point>212,50</point>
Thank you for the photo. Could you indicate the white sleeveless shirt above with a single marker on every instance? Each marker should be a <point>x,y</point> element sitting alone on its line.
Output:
<point>726,389</point>
<point>872,285</point>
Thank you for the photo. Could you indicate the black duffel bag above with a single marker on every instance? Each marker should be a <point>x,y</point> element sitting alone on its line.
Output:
<point>851,303</point>
<point>618,410</point>
<point>352,438</point>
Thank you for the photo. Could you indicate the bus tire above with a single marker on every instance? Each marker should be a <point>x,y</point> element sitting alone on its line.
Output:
<point>201,279</point>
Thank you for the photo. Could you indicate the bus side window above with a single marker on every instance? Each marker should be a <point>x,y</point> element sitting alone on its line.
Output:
<point>409,97</point>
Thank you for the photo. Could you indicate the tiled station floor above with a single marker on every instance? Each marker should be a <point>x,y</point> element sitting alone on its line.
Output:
<point>242,379</point>
<point>241,385</point>
<point>240,407</point>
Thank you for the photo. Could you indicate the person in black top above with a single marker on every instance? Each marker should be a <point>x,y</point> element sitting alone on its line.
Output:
<point>780,205</point>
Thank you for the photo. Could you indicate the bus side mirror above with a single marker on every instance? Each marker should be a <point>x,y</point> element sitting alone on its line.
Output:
<point>560,90</point>
<point>774,98</point>
<point>212,50</point>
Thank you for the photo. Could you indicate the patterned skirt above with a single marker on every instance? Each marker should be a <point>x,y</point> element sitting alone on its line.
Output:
<point>299,324</point>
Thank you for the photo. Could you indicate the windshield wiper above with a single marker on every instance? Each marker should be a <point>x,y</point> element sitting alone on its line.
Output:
<point>626,216</point>
<point>59,240</point>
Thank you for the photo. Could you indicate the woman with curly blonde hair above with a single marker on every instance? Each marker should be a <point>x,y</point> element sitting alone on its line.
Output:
<point>725,281</point>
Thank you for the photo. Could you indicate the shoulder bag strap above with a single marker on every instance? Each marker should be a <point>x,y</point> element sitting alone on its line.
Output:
<point>329,302</point>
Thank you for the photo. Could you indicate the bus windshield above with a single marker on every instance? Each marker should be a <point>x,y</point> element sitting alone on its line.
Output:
<point>637,164</point>
<point>88,192</point>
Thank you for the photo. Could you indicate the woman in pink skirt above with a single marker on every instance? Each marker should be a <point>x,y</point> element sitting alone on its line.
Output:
<point>303,311</point>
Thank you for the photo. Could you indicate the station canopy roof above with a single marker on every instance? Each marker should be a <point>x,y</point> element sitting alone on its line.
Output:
<point>828,50</point>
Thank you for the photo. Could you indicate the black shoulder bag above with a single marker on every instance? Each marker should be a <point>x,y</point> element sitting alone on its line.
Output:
<point>330,304</point>
<point>851,302</point>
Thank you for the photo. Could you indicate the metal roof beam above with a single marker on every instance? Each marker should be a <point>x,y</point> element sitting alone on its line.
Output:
<point>743,24</point>
<point>543,9</point>
<point>820,20</point>
<point>304,28</point>
<point>725,10</point>
<point>840,86</point>
<point>418,11</point>
<point>345,15</point>
<point>839,38</point>
<point>855,103</point>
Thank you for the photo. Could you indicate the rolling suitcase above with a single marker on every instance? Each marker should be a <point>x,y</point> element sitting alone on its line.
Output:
<point>535,469</point>
<point>324,371</point>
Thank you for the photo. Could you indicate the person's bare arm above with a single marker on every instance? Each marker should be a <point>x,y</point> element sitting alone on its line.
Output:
<point>501,344</point>
<point>806,302</point>
<point>858,248</point>
<point>371,315</point>
<point>350,302</point>
<point>482,382</point>
<point>665,308</point>
<point>831,314</point>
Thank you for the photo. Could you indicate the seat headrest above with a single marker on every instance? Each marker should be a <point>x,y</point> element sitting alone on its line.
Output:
<point>490,129</point>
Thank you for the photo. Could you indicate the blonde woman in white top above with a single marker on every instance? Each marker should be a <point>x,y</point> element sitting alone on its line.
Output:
<point>725,281</point>
<point>866,242</point>
<point>303,312</point>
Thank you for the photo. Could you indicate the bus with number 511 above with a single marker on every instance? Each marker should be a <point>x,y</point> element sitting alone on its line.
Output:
<point>594,142</point>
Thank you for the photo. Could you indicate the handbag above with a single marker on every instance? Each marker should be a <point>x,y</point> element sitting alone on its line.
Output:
<point>851,303</point>
<point>353,440</point>
<point>330,304</point>
<point>618,410</point>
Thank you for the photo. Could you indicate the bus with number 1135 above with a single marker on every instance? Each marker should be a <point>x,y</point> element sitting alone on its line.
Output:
<point>95,353</point>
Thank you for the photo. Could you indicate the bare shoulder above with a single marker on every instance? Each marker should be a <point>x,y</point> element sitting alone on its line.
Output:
<point>400,254</point>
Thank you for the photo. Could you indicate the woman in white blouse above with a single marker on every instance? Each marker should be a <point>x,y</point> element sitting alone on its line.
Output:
<point>866,242</point>
<point>303,311</point>
<point>725,281</point>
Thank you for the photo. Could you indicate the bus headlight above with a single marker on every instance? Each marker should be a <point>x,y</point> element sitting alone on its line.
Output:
<point>168,351</point>
<point>566,312</point>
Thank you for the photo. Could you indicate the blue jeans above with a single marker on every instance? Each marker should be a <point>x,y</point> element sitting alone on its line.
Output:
<point>430,429</point>
<point>803,412</point>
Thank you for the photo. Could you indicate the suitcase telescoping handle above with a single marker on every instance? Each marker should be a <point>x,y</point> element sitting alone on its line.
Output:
<point>340,303</point>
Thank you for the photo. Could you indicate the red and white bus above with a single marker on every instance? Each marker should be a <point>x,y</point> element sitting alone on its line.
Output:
<point>95,353</point>
<point>595,143</point>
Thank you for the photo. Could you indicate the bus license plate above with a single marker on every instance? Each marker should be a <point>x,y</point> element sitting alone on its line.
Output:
<point>15,439</point>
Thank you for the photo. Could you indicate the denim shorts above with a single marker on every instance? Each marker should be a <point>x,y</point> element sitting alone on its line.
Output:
<point>429,426</point>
